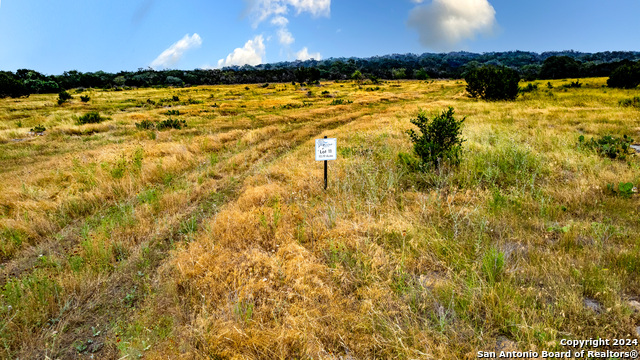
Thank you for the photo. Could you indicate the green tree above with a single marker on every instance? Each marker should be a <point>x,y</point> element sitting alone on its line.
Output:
<point>626,76</point>
<point>422,75</point>
<point>399,73</point>
<point>173,81</point>
<point>9,86</point>
<point>357,76</point>
<point>560,67</point>
<point>493,83</point>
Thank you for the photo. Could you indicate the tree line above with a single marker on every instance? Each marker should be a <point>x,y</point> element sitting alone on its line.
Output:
<point>454,65</point>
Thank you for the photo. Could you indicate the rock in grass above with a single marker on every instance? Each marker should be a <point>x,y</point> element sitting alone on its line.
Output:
<point>593,305</point>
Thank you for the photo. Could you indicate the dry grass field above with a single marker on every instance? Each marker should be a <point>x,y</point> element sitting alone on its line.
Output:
<point>218,241</point>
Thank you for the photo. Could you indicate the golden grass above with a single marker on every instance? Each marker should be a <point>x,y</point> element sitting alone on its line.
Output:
<point>218,241</point>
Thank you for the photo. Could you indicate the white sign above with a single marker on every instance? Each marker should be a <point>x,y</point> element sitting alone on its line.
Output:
<point>326,149</point>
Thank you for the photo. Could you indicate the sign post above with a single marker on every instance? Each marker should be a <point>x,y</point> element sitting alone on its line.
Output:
<point>326,149</point>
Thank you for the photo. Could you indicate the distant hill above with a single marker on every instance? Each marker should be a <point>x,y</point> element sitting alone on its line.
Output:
<point>530,65</point>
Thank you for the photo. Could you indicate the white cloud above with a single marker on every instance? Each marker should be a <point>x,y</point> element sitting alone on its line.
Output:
<point>314,7</point>
<point>251,54</point>
<point>262,10</point>
<point>442,24</point>
<point>305,55</point>
<point>280,21</point>
<point>174,53</point>
<point>278,10</point>
<point>285,37</point>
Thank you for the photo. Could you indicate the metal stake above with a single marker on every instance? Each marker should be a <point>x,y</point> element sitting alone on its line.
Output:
<point>325,172</point>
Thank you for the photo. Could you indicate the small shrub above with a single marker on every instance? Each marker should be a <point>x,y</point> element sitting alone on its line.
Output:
<point>171,124</point>
<point>92,117</point>
<point>441,138</point>
<point>145,125</point>
<point>85,98</point>
<point>634,102</point>
<point>38,129</point>
<point>549,85</point>
<point>625,190</point>
<point>574,84</point>
<point>341,102</point>
<point>173,112</point>
<point>609,146</point>
<point>295,106</point>
<point>63,97</point>
<point>529,88</point>
<point>265,85</point>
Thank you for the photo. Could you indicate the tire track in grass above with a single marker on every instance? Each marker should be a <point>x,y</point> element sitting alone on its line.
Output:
<point>78,314</point>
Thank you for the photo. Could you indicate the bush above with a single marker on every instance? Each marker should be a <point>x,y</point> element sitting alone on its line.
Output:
<point>63,97</point>
<point>38,129</point>
<point>493,83</point>
<point>574,84</point>
<point>529,88</point>
<point>341,102</point>
<point>625,190</point>
<point>92,117</point>
<point>635,102</point>
<point>171,124</point>
<point>609,146</point>
<point>625,76</point>
<point>85,98</point>
<point>145,125</point>
<point>441,138</point>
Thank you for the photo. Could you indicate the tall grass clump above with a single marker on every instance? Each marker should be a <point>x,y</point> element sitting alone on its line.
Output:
<point>504,166</point>
<point>493,265</point>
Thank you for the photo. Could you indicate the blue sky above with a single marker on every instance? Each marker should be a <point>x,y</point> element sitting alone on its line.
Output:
<point>90,35</point>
